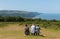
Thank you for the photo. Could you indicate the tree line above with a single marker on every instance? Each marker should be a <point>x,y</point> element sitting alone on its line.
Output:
<point>20,19</point>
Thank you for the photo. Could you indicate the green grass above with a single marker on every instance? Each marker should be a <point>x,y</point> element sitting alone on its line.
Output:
<point>14,30</point>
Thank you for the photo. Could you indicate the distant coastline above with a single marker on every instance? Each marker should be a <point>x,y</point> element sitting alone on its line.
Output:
<point>49,16</point>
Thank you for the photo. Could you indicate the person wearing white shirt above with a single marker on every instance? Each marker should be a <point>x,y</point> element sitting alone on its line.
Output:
<point>32,29</point>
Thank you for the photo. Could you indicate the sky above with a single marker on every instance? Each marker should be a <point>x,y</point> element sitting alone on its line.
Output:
<point>42,6</point>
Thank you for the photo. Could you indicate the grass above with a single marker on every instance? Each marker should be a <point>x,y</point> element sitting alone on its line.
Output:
<point>16,31</point>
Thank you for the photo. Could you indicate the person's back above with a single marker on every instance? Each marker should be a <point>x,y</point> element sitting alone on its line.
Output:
<point>32,29</point>
<point>37,30</point>
<point>27,32</point>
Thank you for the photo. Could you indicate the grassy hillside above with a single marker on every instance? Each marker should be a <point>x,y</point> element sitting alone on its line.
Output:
<point>18,13</point>
<point>15,30</point>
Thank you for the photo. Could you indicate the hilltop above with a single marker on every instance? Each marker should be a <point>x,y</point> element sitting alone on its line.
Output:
<point>18,13</point>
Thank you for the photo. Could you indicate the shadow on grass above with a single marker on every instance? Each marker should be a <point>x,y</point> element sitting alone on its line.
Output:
<point>35,35</point>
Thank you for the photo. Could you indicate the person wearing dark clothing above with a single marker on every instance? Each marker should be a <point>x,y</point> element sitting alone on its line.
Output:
<point>27,32</point>
<point>37,30</point>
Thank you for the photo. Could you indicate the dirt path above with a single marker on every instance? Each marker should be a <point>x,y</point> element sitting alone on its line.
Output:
<point>17,32</point>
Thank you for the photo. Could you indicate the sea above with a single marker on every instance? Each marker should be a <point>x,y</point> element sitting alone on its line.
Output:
<point>49,16</point>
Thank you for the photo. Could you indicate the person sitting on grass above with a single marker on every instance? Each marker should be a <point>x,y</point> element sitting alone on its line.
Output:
<point>32,29</point>
<point>37,30</point>
<point>27,32</point>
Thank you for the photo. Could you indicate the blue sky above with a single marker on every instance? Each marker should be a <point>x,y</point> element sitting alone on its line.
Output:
<point>43,6</point>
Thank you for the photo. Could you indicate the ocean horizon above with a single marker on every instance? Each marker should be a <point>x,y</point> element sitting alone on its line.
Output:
<point>49,16</point>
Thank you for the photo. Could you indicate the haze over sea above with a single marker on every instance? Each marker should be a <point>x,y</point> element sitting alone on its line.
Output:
<point>49,16</point>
